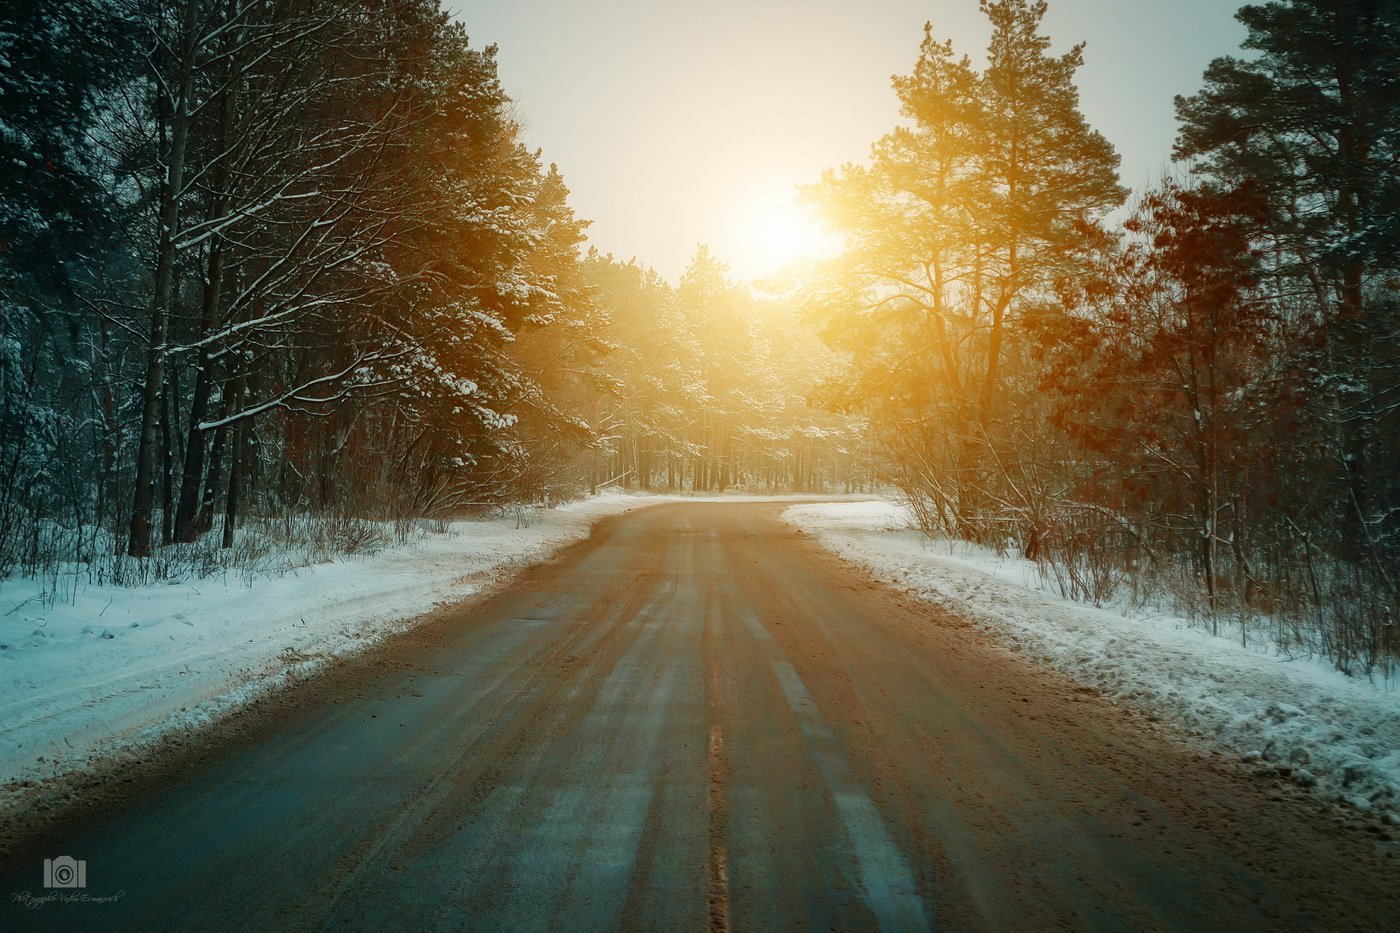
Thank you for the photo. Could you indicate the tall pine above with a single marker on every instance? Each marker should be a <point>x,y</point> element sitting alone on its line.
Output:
<point>970,215</point>
<point>1313,120</point>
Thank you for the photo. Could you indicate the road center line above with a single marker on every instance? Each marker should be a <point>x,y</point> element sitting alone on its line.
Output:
<point>717,769</point>
<point>719,853</point>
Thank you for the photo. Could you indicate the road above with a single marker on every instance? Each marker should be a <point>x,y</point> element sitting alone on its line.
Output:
<point>698,720</point>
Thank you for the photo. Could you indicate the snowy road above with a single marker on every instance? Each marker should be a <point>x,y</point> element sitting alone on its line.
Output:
<point>699,720</point>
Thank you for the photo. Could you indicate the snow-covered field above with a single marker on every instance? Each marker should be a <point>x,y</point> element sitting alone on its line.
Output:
<point>1299,718</point>
<point>110,668</point>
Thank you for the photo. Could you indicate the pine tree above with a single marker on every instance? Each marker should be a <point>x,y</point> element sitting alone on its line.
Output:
<point>1048,178</point>
<point>969,216</point>
<point>56,60</point>
<point>1159,371</point>
<point>58,218</point>
<point>1313,120</point>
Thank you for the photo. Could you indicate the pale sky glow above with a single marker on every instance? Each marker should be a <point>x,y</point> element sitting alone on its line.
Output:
<point>681,123</point>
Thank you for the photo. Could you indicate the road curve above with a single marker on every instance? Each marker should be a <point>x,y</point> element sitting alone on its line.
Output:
<point>698,720</point>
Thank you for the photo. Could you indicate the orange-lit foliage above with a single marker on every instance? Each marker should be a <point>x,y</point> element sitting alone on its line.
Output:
<point>1160,376</point>
<point>969,216</point>
<point>709,388</point>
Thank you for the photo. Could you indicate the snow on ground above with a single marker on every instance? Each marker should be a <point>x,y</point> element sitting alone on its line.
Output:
<point>111,668</point>
<point>1298,718</point>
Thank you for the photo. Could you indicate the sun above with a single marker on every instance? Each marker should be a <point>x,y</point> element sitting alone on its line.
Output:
<point>784,233</point>
<point>776,232</point>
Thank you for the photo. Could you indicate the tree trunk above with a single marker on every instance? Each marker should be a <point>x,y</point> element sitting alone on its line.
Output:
<point>204,517</point>
<point>167,462</point>
<point>187,513</point>
<point>989,385</point>
<point>237,466</point>
<point>192,472</point>
<point>148,446</point>
<point>110,432</point>
<point>237,460</point>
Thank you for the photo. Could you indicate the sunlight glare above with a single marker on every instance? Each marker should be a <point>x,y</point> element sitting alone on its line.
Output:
<point>773,232</point>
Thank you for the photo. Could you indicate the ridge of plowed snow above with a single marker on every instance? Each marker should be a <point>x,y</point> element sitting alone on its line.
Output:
<point>1297,717</point>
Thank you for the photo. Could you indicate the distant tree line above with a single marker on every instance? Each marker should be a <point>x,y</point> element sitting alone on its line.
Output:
<point>272,258</point>
<point>713,389</point>
<point>1201,400</point>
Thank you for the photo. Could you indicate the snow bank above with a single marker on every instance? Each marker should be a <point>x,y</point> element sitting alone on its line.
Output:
<point>113,667</point>
<point>1297,718</point>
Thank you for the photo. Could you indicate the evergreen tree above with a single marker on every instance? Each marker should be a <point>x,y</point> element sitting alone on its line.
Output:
<point>1313,120</point>
<point>1048,179</point>
<point>968,218</point>
<point>56,61</point>
<point>58,219</point>
<point>1159,376</point>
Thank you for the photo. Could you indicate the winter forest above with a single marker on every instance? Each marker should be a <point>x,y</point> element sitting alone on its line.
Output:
<point>278,271</point>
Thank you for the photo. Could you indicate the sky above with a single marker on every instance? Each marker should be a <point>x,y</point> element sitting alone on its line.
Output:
<point>680,123</point>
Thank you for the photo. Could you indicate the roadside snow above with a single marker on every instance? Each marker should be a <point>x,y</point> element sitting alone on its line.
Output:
<point>113,667</point>
<point>1298,718</point>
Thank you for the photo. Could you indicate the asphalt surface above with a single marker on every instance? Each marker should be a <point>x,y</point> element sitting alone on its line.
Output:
<point>698,720</point>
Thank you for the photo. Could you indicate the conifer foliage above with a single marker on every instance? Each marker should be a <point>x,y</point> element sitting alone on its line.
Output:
<point>263,262</point>
<point>1203,403</point>
<point>263,258</point>
<point>969,218</point>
